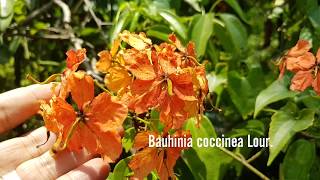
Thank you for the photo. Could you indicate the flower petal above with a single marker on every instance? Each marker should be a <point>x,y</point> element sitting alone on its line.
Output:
<point>117,78</point>
<point>81,87</point>
<point>301,80</point>
<point>104,62</point>
<point>75,58</point>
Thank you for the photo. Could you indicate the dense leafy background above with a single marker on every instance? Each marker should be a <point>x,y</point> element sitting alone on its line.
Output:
<point>239,40</point>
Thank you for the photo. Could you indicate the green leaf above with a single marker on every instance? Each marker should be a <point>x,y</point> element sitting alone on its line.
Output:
<point>194,4</point>
<point>204,163</point>
<point>306,5</point>
<point>212,52</point>
<point>273,93</point>
<point>5,54</point>
<point>315,170</point>
<point>242,93</point>
<point>284,124</point>
<point>119,26</point>
<point>14,44</point>
<point>160,32</point>
<point>134,22</point>
<point>182,170</point>
<point>121,170</point>
<point>88,31</point>
<point>236,7</point>
<point>6,13</point>
<point>127,140</point>
<point>202,31</point>
<point>299,160</point>
<point>235,31</point>
<point>224,38</point>
<point>253,127</point>
<point>175,23</point>
<point>314,17</point>
<point>216,82</point>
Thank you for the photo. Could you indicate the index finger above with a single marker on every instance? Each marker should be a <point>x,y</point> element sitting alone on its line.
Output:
<point>19,104</point>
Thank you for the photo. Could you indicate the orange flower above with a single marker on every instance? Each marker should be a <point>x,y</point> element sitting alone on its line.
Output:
<point>94,125</point>
<point>117,77</point>
<point>169,87</point>
<point>305,66</point>
<point>74,59</point>
<point>298,58</point>
<point>151,76</point>
<point>160,159</point>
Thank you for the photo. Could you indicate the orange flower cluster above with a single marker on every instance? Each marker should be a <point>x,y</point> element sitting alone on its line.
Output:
<point>95,123</point>
<point>166,78</point>
<point>304,65</point>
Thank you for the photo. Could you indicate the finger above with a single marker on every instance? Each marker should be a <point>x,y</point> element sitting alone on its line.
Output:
<point>48,166</point>
<point>91,170</point>
<point>12,175</point>
<point>19,104</point>
<point>15,151</point>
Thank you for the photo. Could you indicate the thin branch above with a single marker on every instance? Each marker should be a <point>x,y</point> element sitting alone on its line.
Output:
<point>255,156</point>
<point>65,9</point>
<point>245,163</point>
<point>95,18</point>
<point>37,12</point>
<point>44,36</point>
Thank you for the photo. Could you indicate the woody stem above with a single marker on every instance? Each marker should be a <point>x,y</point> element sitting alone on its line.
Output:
<point>245,163</point>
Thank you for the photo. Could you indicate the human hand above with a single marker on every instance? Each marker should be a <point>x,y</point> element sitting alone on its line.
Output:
<point>23,158</point>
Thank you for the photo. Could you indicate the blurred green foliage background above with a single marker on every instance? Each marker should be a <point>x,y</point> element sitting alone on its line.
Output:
<point>240,41</point>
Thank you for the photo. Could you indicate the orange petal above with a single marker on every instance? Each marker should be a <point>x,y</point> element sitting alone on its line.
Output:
<point>58,117</point>
<point>282,67</point>
<point>301,63</point>
<point>145,94</point>
<point>316,84</point>
<point>110,146</point>
<point>104,62</point>
<point>301,80</point>
<point>137,41</point>
<point>191,49</point>
<point>299,49</point>
<point>144,162</point>
<point>82,88</point>
<point>318,56</point>
<point>75,58</point>
<point>162,168</point>
<point>117,78</point>
<point>167,66</point>
<point>142,139</point>
<point>115,47</point>
<point>48,114</point>
<point>176,42</point>
<point>139,64</point>
<point>183,86</point>
<point>172,114</point>
<point>106,112</point>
